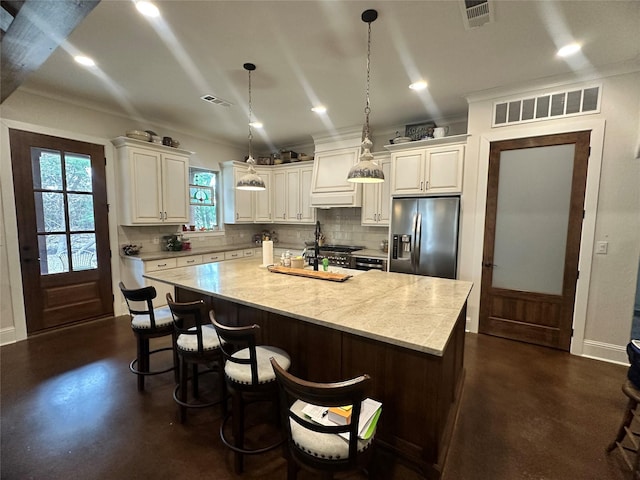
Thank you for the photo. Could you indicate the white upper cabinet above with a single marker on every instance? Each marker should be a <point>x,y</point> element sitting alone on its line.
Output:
<point>154,183</point>
<point>427,170</point>
<point>291,199</point>
<point>245,206</point>
<point>376,197</point>
<point>263,201</point>
<point>237,204</point>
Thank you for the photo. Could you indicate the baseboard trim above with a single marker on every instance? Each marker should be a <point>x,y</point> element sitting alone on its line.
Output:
<point>7,336</point>
<point>605,351</point>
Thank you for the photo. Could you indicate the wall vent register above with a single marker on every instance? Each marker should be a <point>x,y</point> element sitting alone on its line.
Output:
<point>567,103</point>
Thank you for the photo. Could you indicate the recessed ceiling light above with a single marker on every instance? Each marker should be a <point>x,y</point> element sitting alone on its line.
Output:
<point>421,85</point>
<point>319,109</point>
<point>148,9</point>
<point>569,50</point>
<point>86,61</point>
<point>256,124</point>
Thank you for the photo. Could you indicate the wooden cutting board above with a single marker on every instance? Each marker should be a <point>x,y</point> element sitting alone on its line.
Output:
<point>301,272</point>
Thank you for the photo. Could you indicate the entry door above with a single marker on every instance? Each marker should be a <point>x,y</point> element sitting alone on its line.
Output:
<point>535,201</point>
<point>61,208</point>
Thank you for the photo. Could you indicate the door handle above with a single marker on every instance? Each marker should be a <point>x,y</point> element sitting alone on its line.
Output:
<point>489,265</point>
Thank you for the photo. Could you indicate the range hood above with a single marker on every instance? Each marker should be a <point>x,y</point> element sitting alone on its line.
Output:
<point>334,157</point>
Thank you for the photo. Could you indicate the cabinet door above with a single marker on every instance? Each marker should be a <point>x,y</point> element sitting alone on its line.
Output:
<point>280,195</point>
<point>370,200</point>
<point>307,213</point>
<point>243,199</point>
<point>408,172</point>
<point>444,169</point>
<point>293,195</point>
<point>145,196</point>
<point>262,200</point>
<point>175,188</point>
<point>384,190</point>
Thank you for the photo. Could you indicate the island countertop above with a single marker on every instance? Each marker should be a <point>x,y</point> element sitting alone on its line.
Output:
<point>409,311</point>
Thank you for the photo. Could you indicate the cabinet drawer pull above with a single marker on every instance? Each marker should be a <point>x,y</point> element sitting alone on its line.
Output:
<point>190,261</point>
<point>426,185</point>
<point>161,265</point>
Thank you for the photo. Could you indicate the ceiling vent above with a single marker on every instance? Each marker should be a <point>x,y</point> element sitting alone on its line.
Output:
<point>476,13</point>
<point>216,100</point>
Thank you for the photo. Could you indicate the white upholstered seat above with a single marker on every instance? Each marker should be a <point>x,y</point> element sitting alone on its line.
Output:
<point>240,373</point>
<point>161,315</point>
<point>190,342</point>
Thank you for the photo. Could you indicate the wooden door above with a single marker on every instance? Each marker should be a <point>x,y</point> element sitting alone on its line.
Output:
<point>63,231</point>
<point>535,201</point>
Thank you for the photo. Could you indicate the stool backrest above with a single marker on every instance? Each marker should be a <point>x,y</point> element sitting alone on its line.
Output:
<point>144,295</point>
<point>188,315</point>
<point>233,339</point>
<point>349,392</point>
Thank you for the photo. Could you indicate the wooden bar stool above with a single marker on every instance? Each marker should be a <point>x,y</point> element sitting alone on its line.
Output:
<point>148,323</point>
<point>320,448</point>
<point>249,378</point>
<point>630,450</point>
<point>196,344</point>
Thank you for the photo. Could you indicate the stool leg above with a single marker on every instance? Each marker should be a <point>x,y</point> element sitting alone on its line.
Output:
<point>238,429</point>
<point>184,378</point>
<point>626,421</point>
<point>143,360</point>
<point>194,380</point>
<point>176,360</point>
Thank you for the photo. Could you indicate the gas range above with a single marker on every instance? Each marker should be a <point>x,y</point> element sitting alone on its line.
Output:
<point>338,255</point>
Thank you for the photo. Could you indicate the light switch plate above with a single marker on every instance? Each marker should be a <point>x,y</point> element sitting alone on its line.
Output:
<point>602,247</point>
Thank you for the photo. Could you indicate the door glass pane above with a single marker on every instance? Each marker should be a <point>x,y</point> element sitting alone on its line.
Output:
<point>83,251</point>
<point>532,218</point>
<point>78,172</point>
<point>50,212</point>
<point>80,212</point>
<point>47,169</point>
<point>53,254</point>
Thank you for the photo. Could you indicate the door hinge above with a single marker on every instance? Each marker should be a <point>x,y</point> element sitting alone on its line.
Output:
<point>109,207</point>
<point>572,332</point>
<point>105,161</point>
<point>584,212</point>
<point>589,152</point>
<point>109,253</point>
<point>578,276</point>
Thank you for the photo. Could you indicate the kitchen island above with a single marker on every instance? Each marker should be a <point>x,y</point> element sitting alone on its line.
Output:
<point>406,331</point>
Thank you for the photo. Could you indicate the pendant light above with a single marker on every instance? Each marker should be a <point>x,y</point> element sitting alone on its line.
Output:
<point>367,170</point>
<point>250,180</point>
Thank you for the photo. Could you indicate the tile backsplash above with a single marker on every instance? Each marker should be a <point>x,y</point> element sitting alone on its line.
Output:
<point>339,226</point>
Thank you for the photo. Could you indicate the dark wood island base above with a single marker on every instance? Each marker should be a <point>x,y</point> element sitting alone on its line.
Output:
<point>420,392</point>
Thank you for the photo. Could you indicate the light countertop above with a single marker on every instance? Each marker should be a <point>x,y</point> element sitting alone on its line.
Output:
<point>410,311</point>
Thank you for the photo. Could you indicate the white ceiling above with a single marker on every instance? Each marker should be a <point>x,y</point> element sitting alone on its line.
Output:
<point>310,52</point>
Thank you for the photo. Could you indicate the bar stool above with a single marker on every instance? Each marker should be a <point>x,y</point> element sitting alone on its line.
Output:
<point>316,447</point>
<point>148,323</point>
<point>625,431</point>
<point>249,378</point>
<point>196,344</point>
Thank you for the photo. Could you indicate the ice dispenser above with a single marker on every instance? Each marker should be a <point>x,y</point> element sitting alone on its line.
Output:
<point>401,246</point>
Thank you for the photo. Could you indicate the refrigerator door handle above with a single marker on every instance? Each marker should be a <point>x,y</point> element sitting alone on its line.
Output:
<point>418,239</point>
<point>413,241</point>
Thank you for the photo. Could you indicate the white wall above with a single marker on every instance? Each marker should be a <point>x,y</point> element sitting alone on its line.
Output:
<point>604,312</point>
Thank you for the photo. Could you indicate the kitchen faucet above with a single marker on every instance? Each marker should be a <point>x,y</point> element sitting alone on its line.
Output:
<point>316,246</point>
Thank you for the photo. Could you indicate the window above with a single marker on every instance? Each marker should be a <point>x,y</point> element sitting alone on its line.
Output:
<point>203,198</point>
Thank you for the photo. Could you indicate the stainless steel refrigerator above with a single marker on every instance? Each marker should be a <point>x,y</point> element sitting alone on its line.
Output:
<point>424,236</point>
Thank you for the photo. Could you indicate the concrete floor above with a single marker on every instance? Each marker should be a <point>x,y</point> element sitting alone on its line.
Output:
<point>70,409</point>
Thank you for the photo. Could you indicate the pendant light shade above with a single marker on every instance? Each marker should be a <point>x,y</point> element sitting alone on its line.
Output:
<point>250,180</point>
<point>367,170</point>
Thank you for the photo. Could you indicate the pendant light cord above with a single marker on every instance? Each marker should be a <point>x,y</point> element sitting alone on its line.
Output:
<point>367,108</point>
<point>250,118</point>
